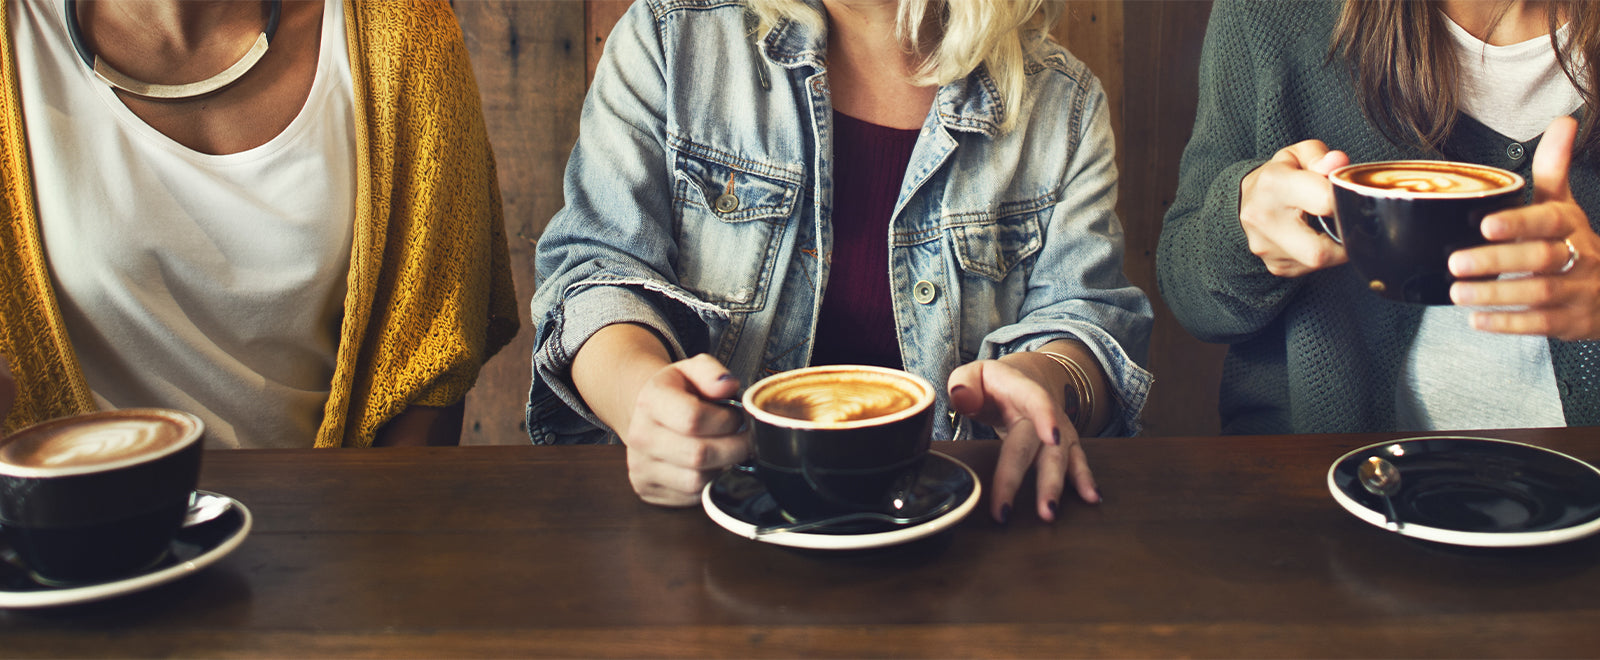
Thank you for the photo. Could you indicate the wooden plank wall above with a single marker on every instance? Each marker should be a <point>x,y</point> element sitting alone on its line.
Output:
<point>533,59</point>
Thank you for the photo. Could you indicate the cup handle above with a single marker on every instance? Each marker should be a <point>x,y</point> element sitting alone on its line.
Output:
<point>736,405</point>
<point>748,464</point>
<point>1320,223</point>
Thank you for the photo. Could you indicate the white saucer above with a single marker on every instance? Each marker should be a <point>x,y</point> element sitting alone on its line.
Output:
<point>739,503</point>
<point>192,549</point>
<point>1476,492</point>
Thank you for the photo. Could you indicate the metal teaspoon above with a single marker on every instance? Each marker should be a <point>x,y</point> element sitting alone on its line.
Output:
<point>1380,477</point>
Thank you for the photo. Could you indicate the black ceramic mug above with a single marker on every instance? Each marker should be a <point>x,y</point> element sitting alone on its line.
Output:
<point>1400,220</point>
<point>100,495</point>
<point>839,438</point>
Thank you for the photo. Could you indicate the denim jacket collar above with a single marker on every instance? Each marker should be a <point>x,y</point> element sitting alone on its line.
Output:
<point>971,105</point>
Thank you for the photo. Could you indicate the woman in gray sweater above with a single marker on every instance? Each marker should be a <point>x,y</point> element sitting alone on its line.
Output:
<point>1290,91</point>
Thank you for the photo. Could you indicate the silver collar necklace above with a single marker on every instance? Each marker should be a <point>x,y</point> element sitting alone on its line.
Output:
<point>130,85</point>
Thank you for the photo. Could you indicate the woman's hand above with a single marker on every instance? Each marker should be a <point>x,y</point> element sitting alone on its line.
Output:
<point>1551,299</point>
<point>677,440</point>
<point>8,388</point>
<point>1015,397</point>
<point>1273,199</point>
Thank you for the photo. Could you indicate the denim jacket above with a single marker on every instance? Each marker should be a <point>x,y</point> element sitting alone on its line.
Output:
<point>698,202</point>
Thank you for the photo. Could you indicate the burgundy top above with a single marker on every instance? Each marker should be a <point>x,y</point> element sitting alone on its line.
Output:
<point>856,325</point>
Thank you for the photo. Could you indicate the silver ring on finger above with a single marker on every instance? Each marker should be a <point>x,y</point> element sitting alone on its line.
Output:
<point>1572,258</point>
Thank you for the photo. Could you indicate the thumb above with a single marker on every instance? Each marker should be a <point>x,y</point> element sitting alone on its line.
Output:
<point>707,377</point>
<point>1329,162</point>
<point>1552,160</point>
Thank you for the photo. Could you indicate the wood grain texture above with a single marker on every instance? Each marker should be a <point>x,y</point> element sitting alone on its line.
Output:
<point>1093,31</point>
<point>1162,46</point>
<point>599,17</point>
<point>1204,547</point>
<point>529,58</point>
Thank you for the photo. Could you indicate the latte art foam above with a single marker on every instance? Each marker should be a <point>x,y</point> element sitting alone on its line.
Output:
<point>839,397</point>
<point>105,441</point>
<point>1421,178</point>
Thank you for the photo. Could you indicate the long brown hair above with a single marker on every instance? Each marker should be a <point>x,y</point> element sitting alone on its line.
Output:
<point>1407,79</point>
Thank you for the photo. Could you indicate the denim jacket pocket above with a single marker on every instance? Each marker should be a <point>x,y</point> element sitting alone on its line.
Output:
<point>725,210</point>
<point>990,244</point>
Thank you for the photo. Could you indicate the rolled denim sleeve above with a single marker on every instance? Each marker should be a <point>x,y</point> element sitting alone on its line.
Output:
<point>606,257</point>
<point>1078,290</point>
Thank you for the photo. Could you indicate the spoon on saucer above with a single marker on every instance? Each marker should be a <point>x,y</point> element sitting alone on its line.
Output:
<point>861,516</point>
<point>204,507</point>
<point>1381,478</point>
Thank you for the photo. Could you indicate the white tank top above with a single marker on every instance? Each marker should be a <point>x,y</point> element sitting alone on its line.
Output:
<point>212,284</point>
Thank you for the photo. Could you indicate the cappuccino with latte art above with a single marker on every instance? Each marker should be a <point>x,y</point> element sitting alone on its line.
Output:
<point>1401,220</point>
<point>99,495</point>
<point>834,397</point>
<point>1420,177</point>
<point>839,438</point>
<point>115,439</point>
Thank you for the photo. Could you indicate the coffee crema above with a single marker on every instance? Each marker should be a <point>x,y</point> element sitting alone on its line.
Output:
<point>1424,178</point>
<point>832,397</point>
<point>97,442</point>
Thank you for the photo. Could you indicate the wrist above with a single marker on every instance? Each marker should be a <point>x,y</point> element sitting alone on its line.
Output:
<point>1077,393</point>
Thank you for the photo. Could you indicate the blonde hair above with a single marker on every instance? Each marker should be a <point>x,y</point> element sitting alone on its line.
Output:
<point>953,37</point>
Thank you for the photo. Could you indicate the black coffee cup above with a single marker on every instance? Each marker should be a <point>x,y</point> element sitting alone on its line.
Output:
<point>840,438</point>
<point>1400,220</point>
<point>98,496</point>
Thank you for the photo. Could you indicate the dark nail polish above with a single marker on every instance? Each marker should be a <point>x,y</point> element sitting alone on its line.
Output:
<point>725,376</point>
<point>1097,495</point>
<point>1056,436</point>
<point>1052,506</point>
<point>1005,513</point>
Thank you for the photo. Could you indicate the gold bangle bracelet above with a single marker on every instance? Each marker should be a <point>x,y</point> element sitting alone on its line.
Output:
<point>1081,385</point>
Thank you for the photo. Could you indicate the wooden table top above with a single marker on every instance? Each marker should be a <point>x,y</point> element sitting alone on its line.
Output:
<point>1202,547</point>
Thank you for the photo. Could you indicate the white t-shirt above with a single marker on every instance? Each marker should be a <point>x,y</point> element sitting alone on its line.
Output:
<point>1456,377</point>
<point>212,284</point>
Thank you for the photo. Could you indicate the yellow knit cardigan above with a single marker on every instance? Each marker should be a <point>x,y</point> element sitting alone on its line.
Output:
<point>430,292</point>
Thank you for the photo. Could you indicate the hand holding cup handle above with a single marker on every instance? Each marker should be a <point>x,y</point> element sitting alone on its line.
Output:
<point>678,437</point>
<point>1275,201</point>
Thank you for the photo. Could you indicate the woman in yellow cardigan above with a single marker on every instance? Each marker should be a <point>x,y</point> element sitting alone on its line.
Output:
<point>303,249</point>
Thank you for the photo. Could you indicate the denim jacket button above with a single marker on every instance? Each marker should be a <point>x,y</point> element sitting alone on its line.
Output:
<point>924,291</point>
<point>727,203</point>
<point>1515,151</point>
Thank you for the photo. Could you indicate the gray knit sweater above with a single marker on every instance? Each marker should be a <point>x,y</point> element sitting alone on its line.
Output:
<point>1317,353</point>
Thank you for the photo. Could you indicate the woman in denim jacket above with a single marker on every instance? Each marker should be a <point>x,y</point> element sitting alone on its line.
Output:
<point>772,184</point>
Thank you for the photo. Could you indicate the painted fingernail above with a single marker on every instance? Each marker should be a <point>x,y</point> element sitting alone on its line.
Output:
<point>1056,437</point>
<point>1005,513</point>
<point>725,377</point>
<point>1097,496</point>
<point>1052,506</point>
